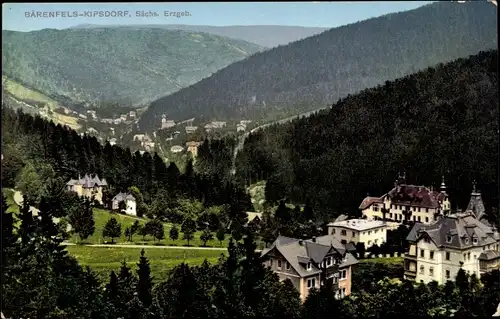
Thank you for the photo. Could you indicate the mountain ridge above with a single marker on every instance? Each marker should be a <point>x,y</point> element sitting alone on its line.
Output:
<point>310,73</point>
<point>267,36</point>
<point>125,66</point>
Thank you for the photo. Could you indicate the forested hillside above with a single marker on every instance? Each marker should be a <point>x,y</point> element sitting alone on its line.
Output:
<point>36,151</point>
<point>268,36</point>
<point>310,73</point>
<point>128,66</point>
<point>440,121</point>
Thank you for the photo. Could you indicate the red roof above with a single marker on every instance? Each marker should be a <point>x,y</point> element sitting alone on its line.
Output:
<point>408,195</point>
<point>368,201</point>
<point>419,196</point>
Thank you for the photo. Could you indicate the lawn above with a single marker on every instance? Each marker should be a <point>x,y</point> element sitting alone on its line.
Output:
<point>103,259</point>
<point>385,261</point>
<point>102,216</point>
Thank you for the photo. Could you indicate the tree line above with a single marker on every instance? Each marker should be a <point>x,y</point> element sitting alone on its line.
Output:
<point>440,121</point>
<point>40,280</point>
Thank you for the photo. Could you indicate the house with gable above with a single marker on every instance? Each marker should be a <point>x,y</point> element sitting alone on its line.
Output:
<point>311,263</point>
<point>88,187</point>
<point>459,240</point>
<point>419,203</point>
<point>130,203</point>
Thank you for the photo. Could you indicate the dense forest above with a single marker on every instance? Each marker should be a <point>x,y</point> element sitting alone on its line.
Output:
<point>41,280</point>
<point>440,121</point>
<point>36,151</point>
<point>127,66</point>
<point>310,73</point>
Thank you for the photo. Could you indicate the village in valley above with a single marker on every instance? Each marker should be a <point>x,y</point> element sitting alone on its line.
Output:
<point>251,171</point>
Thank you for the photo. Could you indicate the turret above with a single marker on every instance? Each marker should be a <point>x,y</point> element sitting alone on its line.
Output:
<point>443,185</point>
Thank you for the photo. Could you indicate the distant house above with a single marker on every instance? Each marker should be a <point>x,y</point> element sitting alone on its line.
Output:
<point>139,137</point>
<point>311,263</point>
<point>208,128</point>
<point>88,187</point>
<point>112,130</point>
<point>130,203</point>
<point>245,122</point>
<point>176,149</point>
<point>117,121</point>
<point>218,124</point>
<point>109,121</point>
<point>253,215</point>
<point>193,147</point>
<point>123,117</point>
<point>132,114</point>
<point>112,141</point>
<point>82,116</point>
<point>241,128</point>
<point>92,130</point>
<point>92,114</point>
<point>167,123</point>
<point>191,129</point>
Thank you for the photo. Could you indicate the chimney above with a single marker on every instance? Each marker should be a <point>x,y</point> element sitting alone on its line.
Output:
<point>314,239</point>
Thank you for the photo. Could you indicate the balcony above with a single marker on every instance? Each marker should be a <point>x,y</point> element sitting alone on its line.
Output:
<point>410,257</point>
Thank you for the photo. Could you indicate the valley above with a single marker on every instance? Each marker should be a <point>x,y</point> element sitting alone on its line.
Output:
<point>217,166</point>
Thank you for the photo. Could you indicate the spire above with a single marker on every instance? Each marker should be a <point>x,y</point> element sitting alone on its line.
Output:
<point>474,189</point>
<point>443,185</point>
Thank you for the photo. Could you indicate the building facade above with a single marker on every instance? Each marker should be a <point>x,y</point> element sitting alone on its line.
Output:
<point>460,240</point>
<point>369,232</point>
<point>130,203</point>
<point>88,187</point>
<point>311,263</point>
<point>415,203</point>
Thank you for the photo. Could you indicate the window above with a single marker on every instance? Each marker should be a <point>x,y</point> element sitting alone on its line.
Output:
<point>279,263</point>
<point>342,294</point>
<point>287,265</point>
<point>369,232</point>
<point>427,240</point>
<point>422,253</point>
<point>375,241</point>
<point>309,266</point>
<point>468,256</point>
<point>311,283</point>
<point>465,257</point>
<point>419,219</point>
<point>328,261</point>
<point>474,241</point>
<point>375,231</point>
<point>466,240</point>
<point>353,234</point>
<point>447,274</point>
<point>418,209</point>
<point>343,232</point>
<point>270,262</point>
<point>375,208</point>
<point>426,219</point>
<point>369,242</point>
<point>431,271</point>
<point>422,270</point>
<point>390,215</point>
<point>343,274</point>
<point>431,254</point>
<point>427,210</point>
<point>448,239</point>
<point>333,231</point>
<point>447,256</point>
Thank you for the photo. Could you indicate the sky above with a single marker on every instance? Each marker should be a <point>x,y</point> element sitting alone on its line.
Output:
<point>30,16</point>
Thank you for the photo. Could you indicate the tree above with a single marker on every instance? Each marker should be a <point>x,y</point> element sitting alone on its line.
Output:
<point>112,294</point>
<point>121,206</point>
<point>128,234</point>
<point>82,220</point>
<point>221,234</point>
<point>112,229</point>
<point>174,233</point>
<point>206,235</point>
<point>155,229</point>
<point>144,284</point>
<point>188,229</point>
<point>143,231</point>
<point>134,229</point>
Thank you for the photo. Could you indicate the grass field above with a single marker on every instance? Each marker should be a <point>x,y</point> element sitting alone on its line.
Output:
<point>103,260</point>
<point>102,216</point>
<point>387,261</point>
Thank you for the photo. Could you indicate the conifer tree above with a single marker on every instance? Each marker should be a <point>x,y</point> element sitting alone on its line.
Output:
<point>82,220</point>
<point>112,229</point>
<point>144,284</point>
